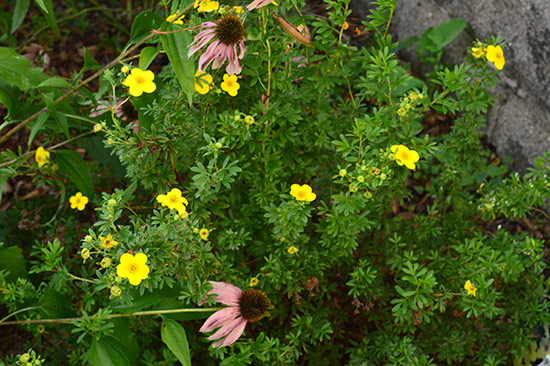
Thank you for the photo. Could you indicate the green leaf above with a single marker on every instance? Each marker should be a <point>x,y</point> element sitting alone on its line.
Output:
<point>176,46</point>
<point>55,305</point>
<point>46,6</point>
<point>144,22</point>
<point>21,8</point>
<point>173,335</point>
<point>8,97</point>
<point>89,62</point>
<point>71,163</point>
<point>105,353</point>
<point>61,120</point>
<point>434,39</point>
<point>54,81</point>
<point>11,259</point>
<point>37,126</point>
<point>16,70</point>
<point>147,56</point>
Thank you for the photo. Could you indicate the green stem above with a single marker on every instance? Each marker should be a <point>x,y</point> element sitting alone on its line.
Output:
<point>137,313</point>
<point>18,311</point>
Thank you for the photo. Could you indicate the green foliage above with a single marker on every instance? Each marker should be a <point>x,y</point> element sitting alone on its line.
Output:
<point>372,271</point>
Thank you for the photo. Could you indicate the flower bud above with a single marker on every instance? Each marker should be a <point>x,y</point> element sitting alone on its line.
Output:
<point>116,291</point>
<point>85,253</point>
<point>106,262</point>
<point>24,357</point>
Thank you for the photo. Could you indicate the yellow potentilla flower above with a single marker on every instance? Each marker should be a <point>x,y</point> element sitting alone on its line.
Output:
<point>230,84</point>
<point>42,156</point>
<point>292,250</point>
<point>202,82</point>
<point>404,156</point>
<point>238,9</point>
<point>343,173</point>
<point>107,242</point>
<point>477,52</point>
<point>78,201</point>
<point>253,281</point>
<point>133,268</point>
<point>124,69</point>
<point>177,21</point>
<point>402,112</point>
<point>496,56</point>
<point>206,6</point>
<point>302,192</point>
<point>140,82</point>
<point>174,200</point>
<point>469,286</point>
<point>204,233</point>
<point>345,26</point>
<point>249,120</point>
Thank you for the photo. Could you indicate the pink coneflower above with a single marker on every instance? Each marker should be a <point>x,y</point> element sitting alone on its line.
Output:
<point>258,4</point>
<point>244,306</point>
<point>227,33</point>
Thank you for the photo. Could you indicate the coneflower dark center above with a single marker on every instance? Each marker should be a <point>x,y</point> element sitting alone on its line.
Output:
<point>253,305</point>
<point>229,30</point>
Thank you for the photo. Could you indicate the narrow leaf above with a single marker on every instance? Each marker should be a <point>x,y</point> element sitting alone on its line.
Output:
<point>71,163</point>
<point>147,56</point>
<point>47,9</point>
<point>21,8</point>
<point>173,335</point>
<point>37,126</point>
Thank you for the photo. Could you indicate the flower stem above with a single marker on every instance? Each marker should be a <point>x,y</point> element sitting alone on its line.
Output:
<point>111,316</point>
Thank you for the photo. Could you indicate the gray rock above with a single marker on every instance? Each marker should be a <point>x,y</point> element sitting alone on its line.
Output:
<point>519,124</point>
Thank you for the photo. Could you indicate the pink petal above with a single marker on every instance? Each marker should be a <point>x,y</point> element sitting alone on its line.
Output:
<point>207,57</point>
<point>233,336</point>
<point>220,318</point>
<point>242,48</point>
<point>203,37</point>
<point>233,65</point>
<point>225,329</point>
<point>258,4</point>
<point>227,294</point>
<point>218,62</point>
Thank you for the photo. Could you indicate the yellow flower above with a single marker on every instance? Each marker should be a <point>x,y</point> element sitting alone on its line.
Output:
<point>25,357</point>
<point>405,156</point>
<point>477,52</point>
<point>230,84</point>
<point>106,262</point>
<point>133,268</point>
<point>107,242</point>
<point>173,200</point>
<point>468,286</point>
<point>496,56</point>
<point>345,26</point>
<point>343,173</point>
<point>140,81</point>
<point>85,253</point>
<point>249,120</point>
<point>202,82</point>
<point>177,21</point>
<point>238,9</point>
<point>206,5</point>
<point>292,250</point>
<point>125,69</point>
<point>302,193</point>
<point>402,112</point>
<point>78,201</point>
<point>116,291</point>
<point>41,156</point>
<point>361,179</point>
<point>204,234</point>
<point>253,281</point>
<point>40,328</point>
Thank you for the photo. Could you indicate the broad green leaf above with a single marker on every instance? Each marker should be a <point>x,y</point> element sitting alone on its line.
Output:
<point>90,63</point>
<point>143,23</point>
<point>176,46</point>
<point>19,12</point>
<point>124,339</point>
<point>61,120</point>
<point>37,126</point>
<point>46,6</point>
<point>11,258</point>
<point>55,305</point>
<point>444,33</point>
<point>16,70</point>
<point>173,335</point>
<point>9,97</point>
<point>54,81</point>
<point>105,353</point>
<point>147,56</point>
<point>71,163</point>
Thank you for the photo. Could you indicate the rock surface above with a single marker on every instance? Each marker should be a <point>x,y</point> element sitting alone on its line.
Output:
<point>519,124</point>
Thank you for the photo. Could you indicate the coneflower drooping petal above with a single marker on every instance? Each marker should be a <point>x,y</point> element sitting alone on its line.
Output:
<point>244,306</point>
<point>222,38</point>
<point>258,4</point>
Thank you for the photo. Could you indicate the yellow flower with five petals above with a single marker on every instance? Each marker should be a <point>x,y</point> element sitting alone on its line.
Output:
<point>202,82</point>
<point>230,84</point>
<point>133,268</point>
<point>140,82</point>
<point>78,201</point>
<point>302,192</point>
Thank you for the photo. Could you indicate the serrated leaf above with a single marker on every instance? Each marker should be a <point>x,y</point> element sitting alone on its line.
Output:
<point>176,46</point>
<point>19,12</point>
<point>147,56</point>
<point>104,353</point>
<point>173,335</point>
<point>71,163</point>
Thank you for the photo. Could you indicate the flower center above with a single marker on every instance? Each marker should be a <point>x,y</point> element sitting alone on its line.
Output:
<point>229,30</point>
<point>132,268</point>
<point>140,80</point>
<point>173,199</point>
<point>301,194</point>
<point>253,305</point>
